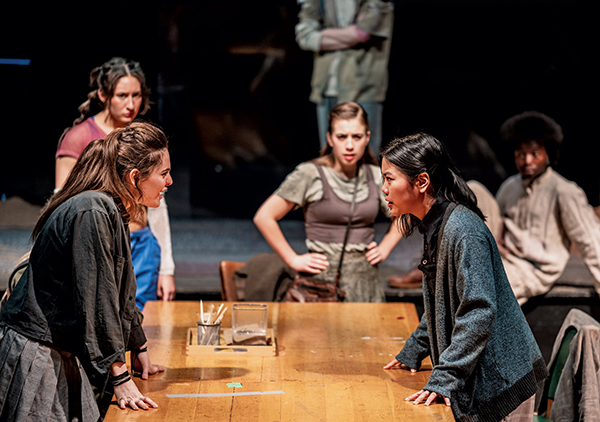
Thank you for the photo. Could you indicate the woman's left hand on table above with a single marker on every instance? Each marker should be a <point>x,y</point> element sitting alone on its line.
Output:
<point>428,396</point>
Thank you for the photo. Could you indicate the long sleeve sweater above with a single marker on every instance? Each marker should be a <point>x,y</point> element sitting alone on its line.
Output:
<point>485,358</point>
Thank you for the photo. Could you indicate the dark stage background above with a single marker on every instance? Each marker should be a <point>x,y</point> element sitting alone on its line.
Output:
<point>230,88</point>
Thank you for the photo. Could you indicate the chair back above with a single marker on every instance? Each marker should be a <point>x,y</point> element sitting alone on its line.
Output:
<point>557,390</point>
<point>557,368</point>
<point>229,291</point>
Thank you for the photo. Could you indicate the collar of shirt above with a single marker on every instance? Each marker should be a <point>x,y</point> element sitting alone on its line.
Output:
<point>430,228</point>
<point>529,185</point>
<point>430,224</point>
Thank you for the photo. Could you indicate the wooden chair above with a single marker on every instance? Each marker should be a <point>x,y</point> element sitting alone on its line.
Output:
<point>230,292</point>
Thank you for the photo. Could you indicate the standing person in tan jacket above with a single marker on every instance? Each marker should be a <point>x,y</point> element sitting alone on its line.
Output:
<point>351,40</point>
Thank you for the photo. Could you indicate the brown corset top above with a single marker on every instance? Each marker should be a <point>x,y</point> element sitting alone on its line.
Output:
<point>326,219</point>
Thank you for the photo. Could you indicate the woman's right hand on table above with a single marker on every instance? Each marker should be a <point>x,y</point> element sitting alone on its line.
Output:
<point>312,263</point>
<point>127,394</point>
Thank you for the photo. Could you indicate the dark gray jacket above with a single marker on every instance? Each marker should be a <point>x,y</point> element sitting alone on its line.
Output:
<point>485,358</point>
<point>78,292</point>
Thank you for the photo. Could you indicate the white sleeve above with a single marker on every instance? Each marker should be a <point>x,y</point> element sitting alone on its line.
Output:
<point>158,220</point>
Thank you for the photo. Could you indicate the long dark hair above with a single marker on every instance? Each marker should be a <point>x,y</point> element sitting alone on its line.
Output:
<point>346,111</point>
<point>423,153</point>
<point>104,164</point>
<point>104,78</point>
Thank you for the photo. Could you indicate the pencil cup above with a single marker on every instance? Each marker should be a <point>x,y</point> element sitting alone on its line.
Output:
<point>208,334</point>
<point>249,323</point>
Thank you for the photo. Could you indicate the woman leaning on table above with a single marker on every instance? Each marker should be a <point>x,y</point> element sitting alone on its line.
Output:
<point>486,362</point>
<point>323,188</point>
<point>72,316</point>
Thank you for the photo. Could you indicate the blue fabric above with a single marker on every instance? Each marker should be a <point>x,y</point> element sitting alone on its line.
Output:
<point>374,113</point>
<point>145,254</point>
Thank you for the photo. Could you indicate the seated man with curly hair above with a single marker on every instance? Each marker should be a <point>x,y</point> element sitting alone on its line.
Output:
<point>542,214</point>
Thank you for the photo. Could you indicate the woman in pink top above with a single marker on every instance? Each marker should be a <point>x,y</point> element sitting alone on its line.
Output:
<point>119,94</point>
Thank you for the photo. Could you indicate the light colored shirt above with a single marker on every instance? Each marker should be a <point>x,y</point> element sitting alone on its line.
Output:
<point>158,220</point>
<point>541,220</point>
<point>341,13</point>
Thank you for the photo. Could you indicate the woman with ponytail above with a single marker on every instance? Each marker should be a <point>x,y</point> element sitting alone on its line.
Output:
<point>68,323</point>
<point>119,94</point>
<point>486,362</point>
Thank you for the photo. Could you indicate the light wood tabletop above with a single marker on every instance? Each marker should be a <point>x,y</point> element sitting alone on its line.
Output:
<point>328,367</point>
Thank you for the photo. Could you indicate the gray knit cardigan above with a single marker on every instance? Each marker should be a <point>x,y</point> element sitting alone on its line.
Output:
<point>485,358</point>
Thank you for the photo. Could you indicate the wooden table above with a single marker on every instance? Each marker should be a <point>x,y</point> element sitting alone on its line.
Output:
<point>329,367</point>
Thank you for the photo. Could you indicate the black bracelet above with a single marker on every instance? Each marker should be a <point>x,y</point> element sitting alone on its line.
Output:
<point>120,379</point>
<point>141,350</point>
<point>123,381</point>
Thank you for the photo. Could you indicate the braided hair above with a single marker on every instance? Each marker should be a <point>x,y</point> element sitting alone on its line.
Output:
<point>104,78</point>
